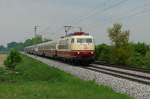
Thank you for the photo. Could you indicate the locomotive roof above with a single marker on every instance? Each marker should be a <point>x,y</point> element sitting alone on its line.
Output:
<point>76,34</point>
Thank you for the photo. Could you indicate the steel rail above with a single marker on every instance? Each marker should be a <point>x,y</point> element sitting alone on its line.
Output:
<point>121,73</point>
<point>123,67</point>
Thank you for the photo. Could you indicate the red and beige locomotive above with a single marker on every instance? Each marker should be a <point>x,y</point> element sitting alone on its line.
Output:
<point>76,47</point>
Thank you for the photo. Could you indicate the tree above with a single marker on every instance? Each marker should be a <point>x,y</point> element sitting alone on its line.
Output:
<point>15,45</point>
<point>20,45</point>
<point>121,51</point>
<point>141,48</point>
<point>28,42</point>
<point>36,40</point>
<point>13,59</point>
<point>147,59</point>
<point>2,48</point>
<point>11,45</point>
<point>118,37</point>
<point>103,52</point>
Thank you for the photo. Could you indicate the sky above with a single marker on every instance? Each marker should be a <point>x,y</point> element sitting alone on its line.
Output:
<point>18,18</point>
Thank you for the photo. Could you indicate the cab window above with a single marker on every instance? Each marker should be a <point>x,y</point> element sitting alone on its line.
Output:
<point>84,40</point>
<point>72,40</point>
<point>88,40</point>
<point>80,40</point>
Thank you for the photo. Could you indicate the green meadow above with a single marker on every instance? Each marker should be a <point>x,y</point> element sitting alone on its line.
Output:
<point>35,80</point>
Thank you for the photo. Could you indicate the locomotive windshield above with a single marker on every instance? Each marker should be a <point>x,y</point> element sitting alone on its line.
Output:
<point>84,40</point>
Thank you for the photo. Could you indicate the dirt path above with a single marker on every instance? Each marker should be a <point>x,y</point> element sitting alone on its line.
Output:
<point>2,58</point>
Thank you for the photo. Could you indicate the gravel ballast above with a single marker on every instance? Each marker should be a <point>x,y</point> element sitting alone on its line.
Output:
<point>131,88</point>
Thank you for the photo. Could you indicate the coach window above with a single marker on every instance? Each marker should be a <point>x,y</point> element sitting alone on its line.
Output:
<point>72,40</point>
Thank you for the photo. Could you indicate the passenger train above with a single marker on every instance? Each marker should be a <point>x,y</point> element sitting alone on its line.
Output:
<point>77,47</point>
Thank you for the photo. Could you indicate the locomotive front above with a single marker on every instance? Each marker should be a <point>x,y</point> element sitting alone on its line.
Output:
<point>82,47</point>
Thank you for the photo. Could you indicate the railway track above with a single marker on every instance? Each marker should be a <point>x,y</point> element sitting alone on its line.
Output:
<point>133,75</point>
<point>123,67</point>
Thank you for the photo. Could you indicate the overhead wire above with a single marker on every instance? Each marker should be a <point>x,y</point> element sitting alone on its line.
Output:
<point>87,13</point>
<point>132,14</point>
<point>103,10</point>
<point>95,11</point>
<point>76,18</point>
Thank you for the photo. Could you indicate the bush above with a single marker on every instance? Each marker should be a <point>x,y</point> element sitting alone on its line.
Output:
<point>114,55</point>
<point>146,61</point>
<point>140,48</point>
<point>103,52</point>
<point>136,60</point>
<point>13,59</point>
<point>140,57</point>
<point>121,55</point>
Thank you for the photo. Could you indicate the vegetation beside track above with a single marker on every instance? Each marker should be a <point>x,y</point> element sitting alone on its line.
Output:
<point>139,58</point>
<point>122,52</point>
<point>33,79</point>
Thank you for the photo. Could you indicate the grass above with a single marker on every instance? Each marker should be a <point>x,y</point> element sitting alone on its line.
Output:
<point>35,80</point>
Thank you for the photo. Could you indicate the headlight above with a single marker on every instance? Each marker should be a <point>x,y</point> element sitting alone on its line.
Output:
<point>78,52</point>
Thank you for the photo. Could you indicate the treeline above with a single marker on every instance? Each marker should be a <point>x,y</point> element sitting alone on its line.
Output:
<point>21,45</point>
<point>138,56</point>
<point>123,52</point>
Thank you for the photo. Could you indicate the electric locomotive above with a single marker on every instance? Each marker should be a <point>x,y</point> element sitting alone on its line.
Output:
<point>77,47</point>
